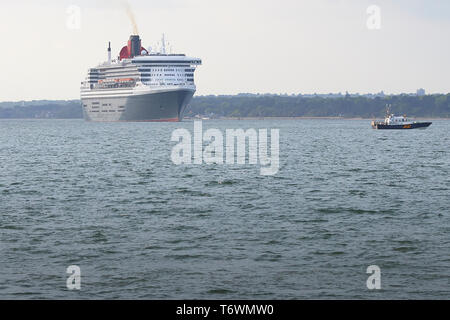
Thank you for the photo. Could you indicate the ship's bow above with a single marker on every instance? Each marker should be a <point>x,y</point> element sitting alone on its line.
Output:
<point>158,106</point>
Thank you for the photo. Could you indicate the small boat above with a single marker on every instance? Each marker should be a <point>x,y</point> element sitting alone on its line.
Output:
<point>398,122</point>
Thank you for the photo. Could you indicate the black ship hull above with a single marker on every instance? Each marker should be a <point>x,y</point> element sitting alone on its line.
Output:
<point>418,125</point>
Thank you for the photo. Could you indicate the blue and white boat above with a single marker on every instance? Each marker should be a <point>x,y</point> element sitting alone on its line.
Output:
<point>399,122</point>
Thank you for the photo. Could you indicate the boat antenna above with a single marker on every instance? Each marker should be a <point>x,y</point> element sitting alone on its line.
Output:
<point>388,109</point>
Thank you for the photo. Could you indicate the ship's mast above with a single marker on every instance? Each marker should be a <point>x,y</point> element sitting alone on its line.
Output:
<point>109,53</point>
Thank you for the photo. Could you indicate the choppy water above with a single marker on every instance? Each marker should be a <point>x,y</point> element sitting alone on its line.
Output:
<point>107,197</point>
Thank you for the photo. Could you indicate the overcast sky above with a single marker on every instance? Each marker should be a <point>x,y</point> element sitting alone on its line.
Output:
<point>258,46</point>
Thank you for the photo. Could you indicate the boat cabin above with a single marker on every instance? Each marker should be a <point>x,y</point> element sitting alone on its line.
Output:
<point>397,120</point>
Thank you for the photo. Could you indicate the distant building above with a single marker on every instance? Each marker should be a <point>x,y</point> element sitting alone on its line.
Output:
<point>420,92</point>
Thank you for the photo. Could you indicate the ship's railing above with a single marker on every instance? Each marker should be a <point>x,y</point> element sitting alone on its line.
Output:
<point>132,84</point>
<point>160,84</point>
<point>113,85</point>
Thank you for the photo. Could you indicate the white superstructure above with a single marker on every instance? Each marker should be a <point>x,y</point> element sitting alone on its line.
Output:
<point>391,119</point>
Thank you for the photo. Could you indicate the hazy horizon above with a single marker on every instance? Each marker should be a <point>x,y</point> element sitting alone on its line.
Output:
<point>254,46</point>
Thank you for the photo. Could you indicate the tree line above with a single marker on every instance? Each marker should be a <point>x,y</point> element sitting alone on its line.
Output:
<point>316,106</point>
<point>241,106</point>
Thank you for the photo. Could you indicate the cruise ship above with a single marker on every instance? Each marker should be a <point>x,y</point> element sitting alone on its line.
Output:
<point>139,85</point>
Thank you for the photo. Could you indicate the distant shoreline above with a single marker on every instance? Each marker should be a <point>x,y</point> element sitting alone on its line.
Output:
<point>308,118</point>
<point>245,118</point>
<point>263,108</point>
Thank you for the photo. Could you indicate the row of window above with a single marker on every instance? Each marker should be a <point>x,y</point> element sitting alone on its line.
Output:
<point>157,80</point>
<point>159,70</point>
<point>166,74</point>
<point>96,111</point>
<point>167,61</point>
<point>96,105</point>
<point>150,70</point>
<point>143,75</point>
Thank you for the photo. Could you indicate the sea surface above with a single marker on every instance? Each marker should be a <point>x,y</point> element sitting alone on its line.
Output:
<point>107,198</point>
